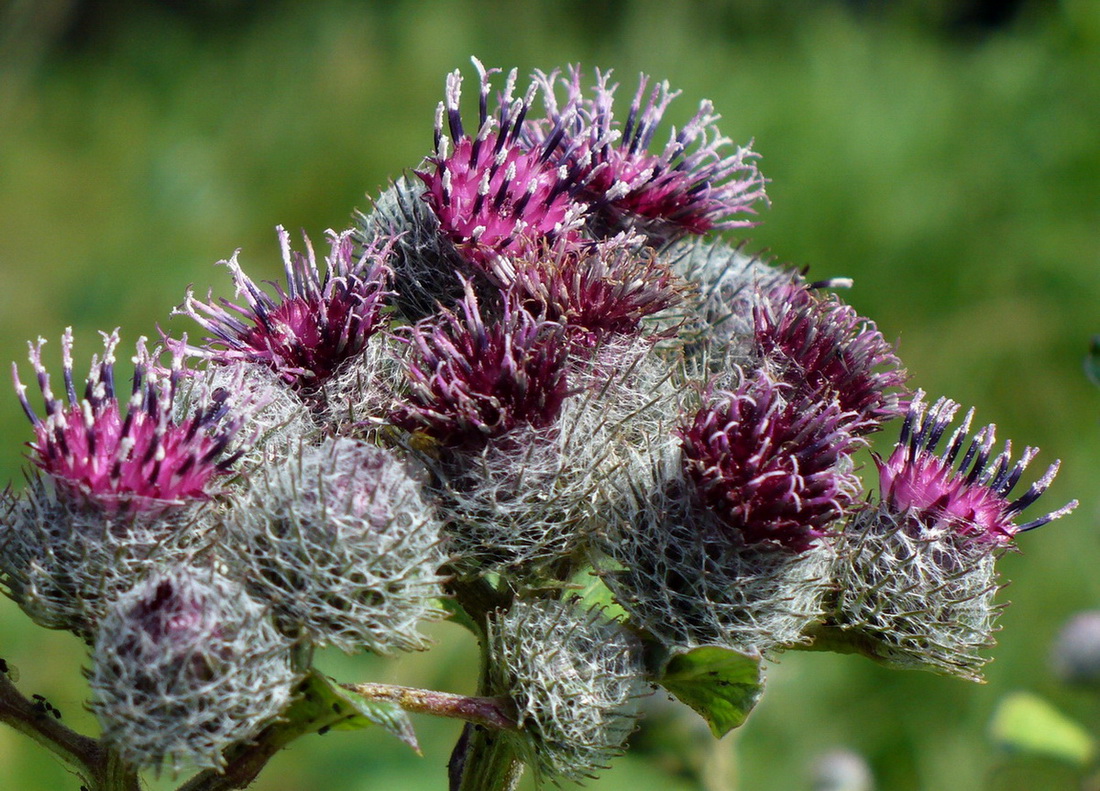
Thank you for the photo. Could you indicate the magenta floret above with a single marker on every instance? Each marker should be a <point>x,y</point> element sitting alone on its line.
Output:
<point>971,499</point>
<point>596,291</point>
<point>770,469</point>
<point>827,351</point>
<point>471,380</point>
<point>493,195</point>
<point>140,458</point>
<point>310,328</point>
<point>695,184</point>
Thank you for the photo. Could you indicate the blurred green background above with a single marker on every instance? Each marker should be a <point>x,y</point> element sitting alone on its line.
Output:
<point>946,155</point>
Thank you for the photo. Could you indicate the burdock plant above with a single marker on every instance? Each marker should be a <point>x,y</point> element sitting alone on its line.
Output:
<point>533,390</point>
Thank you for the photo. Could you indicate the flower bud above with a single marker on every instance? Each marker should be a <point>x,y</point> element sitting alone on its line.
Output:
<point>576,680</point>
<point>339,540</point>
<point>424,261</point>
<point>185,665</point>
<point>841,770</point>
<point>1075,654</point>
<point>730,283</point>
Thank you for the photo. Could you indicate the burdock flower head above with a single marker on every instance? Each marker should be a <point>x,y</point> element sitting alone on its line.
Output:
<point>342,544</point>
<point>972,500</point>
<point>827,351</point>
<point>769,464</point>
<point>120,488</point>
<point>576,678</point>
<point>721,543</point>
<point>597,291</point>
<point>494,195</point>
<point>472,380</point>
<point>308,330</point>
<point>916,578</point>
<point>142,458</point>
<point>692,186</point>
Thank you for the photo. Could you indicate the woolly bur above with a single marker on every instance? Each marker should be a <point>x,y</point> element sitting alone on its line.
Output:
<point>484,398</point>
<point>340,542</point>
<point>184,666</point>
<point>424,260</point>
<point>575,678</point>
<point>695,564</point>
<point>916,581</point>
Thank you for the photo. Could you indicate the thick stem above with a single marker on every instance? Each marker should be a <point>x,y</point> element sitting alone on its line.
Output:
<point>99,768</point>
<point>492,713</point>
<point>243,765</point>
<point>484,759</point>
<point>489,763</point>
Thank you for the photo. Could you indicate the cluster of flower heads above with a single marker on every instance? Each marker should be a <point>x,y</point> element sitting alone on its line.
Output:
<point>530,359</point>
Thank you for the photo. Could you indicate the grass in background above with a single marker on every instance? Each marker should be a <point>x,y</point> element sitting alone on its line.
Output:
<point>954,178</point>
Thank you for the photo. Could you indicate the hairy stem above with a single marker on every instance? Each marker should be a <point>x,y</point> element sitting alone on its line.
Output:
<point>100,768</point>
<point>493,713</point>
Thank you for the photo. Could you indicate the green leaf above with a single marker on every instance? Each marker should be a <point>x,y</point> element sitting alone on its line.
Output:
<point>593,593</point>
<point>721,684</point>
<point>323,706</point>
<point>1025,723</point>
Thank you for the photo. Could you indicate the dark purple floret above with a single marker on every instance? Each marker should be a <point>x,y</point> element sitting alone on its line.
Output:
<point>472,381</point>
<point>768,468</point>
<point>144,459</point>
<point>972,498</point>
<point>825,350</point>
<point>694,185</point>
<point>596,291</point>
<point>306,331</point>
<point>493,195</point>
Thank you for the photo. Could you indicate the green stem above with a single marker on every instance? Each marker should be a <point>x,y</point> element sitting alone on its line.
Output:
<point>244,762</point>
<point>490,763</point>
<point>484,759</point>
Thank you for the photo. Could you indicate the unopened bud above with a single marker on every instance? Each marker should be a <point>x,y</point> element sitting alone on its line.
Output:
<point>184,666</point>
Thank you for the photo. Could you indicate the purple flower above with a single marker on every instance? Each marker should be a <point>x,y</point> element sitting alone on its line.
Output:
<point>692,186</point>
<point>470,381</point>
<point>770,469</point>
<point>595,291</point>
<point>308,330</point>
<point>826,351</point>
<point>142,460</point>
<point>493,195</point>
<point>970,499</point>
